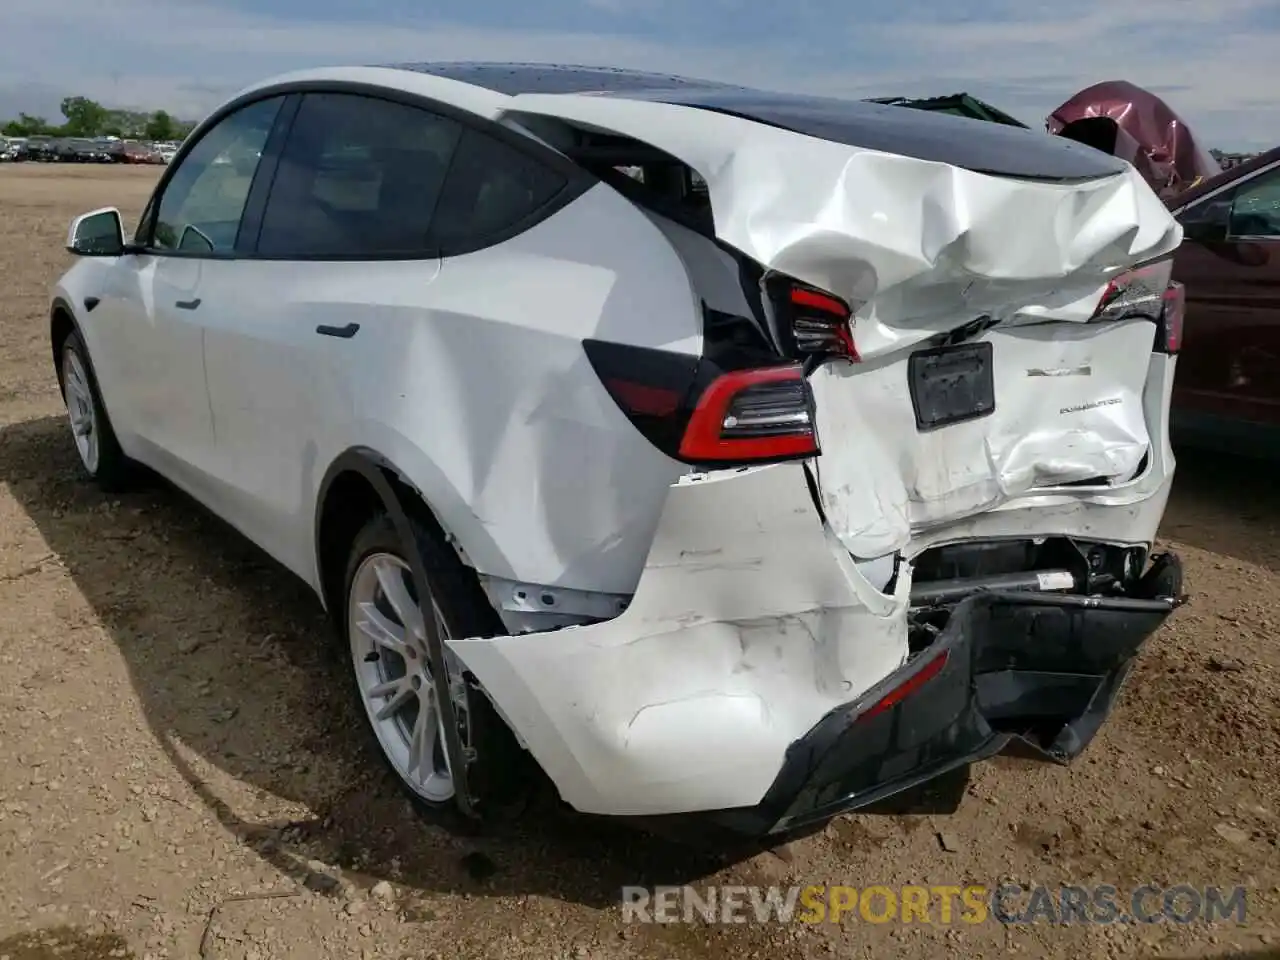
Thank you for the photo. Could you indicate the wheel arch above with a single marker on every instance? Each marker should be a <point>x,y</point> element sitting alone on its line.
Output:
<point>62,323</point>
<point>373,482</point>
<point>349,494</point>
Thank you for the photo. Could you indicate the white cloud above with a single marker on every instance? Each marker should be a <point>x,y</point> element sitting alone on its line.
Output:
<point>1215,71</point>
<point>185,55</point>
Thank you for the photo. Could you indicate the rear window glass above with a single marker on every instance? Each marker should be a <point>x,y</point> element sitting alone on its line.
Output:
<point>493,190</point>
<point>359,177</point>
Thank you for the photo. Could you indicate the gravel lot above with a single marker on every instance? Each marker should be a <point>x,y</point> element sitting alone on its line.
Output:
<point>176,743</point>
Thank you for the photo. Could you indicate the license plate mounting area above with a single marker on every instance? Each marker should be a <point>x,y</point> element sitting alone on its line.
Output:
<point>951,384</point>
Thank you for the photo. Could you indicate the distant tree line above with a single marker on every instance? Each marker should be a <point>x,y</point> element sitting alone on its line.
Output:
<point>1226,160</point>
<point>88,118</point>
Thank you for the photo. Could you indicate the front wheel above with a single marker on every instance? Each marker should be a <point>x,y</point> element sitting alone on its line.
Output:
<point>95,440</point>
<point>384,629</point>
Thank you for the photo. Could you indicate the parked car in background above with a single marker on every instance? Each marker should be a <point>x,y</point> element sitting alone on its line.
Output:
<point>42,147</point>
<point>1227,393</point>
<point>137,151</point>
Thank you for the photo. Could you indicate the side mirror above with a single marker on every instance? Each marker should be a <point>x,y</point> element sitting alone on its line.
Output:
<point>1205,231</point>
<point>99,233</point>
<point>1206,222</point>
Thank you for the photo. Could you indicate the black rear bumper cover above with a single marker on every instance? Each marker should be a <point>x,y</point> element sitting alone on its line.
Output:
<point>1040,668</point>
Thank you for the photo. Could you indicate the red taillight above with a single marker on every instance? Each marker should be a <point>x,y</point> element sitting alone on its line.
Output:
<point>815,322</point>
<point>644,400</point>
<point>1169,330</point>
<point>1136,293</point>
<point>907,687</point>
<point>752,416</point>
<point>692,410</point>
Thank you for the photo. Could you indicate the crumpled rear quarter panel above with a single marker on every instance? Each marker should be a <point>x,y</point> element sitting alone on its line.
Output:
<point>749,623</point>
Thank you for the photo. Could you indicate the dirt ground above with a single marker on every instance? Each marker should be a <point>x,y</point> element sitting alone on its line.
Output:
<point>181,774</point>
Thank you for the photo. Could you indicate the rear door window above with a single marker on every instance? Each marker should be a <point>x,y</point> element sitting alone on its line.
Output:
<point>359,178</point>
<point>495,190</point>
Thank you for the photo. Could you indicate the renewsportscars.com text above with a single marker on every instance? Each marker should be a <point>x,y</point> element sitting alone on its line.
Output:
<point>971,904</point>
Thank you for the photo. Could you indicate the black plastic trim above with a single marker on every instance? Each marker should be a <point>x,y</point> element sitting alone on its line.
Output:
<point>980,145</point>
<point>1042,671</point>
<point>972,404</point>
<point>345,332</point>
<point>264,178</point>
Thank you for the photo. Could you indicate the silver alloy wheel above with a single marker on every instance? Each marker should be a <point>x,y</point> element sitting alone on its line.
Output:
<point>393,670</point>
<point>81,410</point>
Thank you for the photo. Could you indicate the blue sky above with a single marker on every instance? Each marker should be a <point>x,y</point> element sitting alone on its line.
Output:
<point>1207,57</point>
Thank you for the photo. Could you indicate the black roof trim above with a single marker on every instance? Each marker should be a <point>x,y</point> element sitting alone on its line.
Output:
<point>516,78</point>
<point>978,145</point>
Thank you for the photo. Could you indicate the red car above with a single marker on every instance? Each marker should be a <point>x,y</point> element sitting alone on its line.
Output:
<point>1227,390</point>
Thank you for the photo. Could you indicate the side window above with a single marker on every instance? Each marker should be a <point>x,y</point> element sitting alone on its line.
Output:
<point>199,211</point>
<point>492,188</point>
<point>1255,212</point>
<point>359,177</point>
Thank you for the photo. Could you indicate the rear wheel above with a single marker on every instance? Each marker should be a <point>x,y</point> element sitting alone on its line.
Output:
<point>384,628</point>
<point>95,440</point>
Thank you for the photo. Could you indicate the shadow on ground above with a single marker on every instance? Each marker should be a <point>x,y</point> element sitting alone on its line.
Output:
<point>234,665</point>
<point>1226,504</point>
<point>233,662</point>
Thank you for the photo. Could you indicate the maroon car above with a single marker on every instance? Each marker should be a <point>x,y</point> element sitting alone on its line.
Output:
<point>1226,394</point>
<point>1227,390</point>
<point>1134,124</point>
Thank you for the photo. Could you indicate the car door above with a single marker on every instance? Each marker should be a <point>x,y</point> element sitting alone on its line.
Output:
<point>155,345</point>
<point>340,253</point>
<point>1230,264</point>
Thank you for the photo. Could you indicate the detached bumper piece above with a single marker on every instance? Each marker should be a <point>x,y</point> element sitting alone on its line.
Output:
<point>1038,668</point>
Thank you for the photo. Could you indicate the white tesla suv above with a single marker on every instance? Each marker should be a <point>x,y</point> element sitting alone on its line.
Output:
<point>700,449</point>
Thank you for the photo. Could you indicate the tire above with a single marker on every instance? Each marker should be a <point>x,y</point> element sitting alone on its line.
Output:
<point>95,439</point>
<point>502,775</point>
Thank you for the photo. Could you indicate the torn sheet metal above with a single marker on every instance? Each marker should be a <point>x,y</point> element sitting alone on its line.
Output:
<point>749,623</point>
<point>926,248</point>
<point>923,246</point>
<point>1145,130</point>
<point>1084,422</point>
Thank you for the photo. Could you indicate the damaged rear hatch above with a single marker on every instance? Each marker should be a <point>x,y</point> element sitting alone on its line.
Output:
<point>972,257</point>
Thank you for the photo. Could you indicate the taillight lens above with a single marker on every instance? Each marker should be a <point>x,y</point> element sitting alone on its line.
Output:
<point>1139,292</point>
<point>812,322</point>
<point>697,413</point>
<point>752,416</point>
<point>907,687</point>
<point>1169,329</point>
